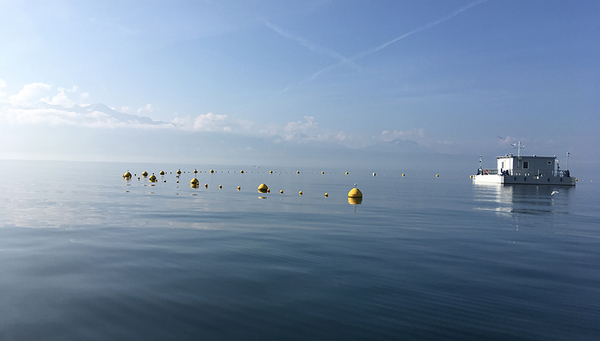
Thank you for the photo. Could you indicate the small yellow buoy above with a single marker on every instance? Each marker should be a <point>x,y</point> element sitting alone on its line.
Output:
<point>263,188</point>
<point>374,174</point>
<point>194,181</point>
<point>212,171</point>
<point>355,193</point>
<point>164,180</point>
<point>346,173</point>
<point>403,174</point>
<point>162,173</point>
<point>220,186</point>
<point>268,190</point>
<point>145,174</point>
<point>242,171</point>
<point>437,175</point>
<point>270,172</point>
<point>322,172</point>
<point>177,181</point>
<point>297,172</point>
<point>281,191</point>
<point>205,185</point>
<point>195,171</point>
<point>239,188</point>
<point>127,175</point>
<point>152,178</point>
<point>326,194</point>
<point>300,192</point>
<point>179,171</point>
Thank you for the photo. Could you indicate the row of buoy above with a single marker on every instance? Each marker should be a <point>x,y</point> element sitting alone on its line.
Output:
<point>354,193</point>
<point>212,171</point>
<point>354,196</point>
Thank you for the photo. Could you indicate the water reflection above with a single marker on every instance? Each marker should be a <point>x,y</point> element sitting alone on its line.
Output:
<point>515,199</point>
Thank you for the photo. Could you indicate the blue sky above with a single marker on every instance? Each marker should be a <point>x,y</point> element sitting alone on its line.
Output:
<point>301,77</point>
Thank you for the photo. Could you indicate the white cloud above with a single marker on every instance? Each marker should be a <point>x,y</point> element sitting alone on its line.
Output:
<point>146,108</point>
<point>209,122</point>
<point>37,116</point>
<point>26,107</point>
<point>60,99</point>
<point>299,126</point>
<point>412,134</point>
<point>29,94</point>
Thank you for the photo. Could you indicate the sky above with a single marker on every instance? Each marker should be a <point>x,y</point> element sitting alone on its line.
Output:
<point>379,83</point>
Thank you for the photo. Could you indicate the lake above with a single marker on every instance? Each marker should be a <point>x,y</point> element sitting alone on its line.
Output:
<point>87,255</point>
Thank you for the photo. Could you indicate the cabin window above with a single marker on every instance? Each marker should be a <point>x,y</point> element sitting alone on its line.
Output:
<point>525,164</point>
<point>550,162</point>
<point>525,179</point>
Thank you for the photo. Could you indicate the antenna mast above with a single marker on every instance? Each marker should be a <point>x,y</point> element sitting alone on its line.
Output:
<point>568,160</point>
<point>518,146</point>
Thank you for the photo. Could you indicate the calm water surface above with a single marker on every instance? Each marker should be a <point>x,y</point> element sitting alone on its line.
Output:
<point>86,255</point>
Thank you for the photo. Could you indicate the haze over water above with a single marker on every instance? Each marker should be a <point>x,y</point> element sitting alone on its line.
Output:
<point>86,255</point>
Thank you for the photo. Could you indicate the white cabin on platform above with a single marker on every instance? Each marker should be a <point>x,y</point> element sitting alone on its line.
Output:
<point>527,170</point>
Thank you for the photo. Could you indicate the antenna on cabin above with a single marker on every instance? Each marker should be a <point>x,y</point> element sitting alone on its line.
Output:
<point>568,160</point>
<point>518,145</point>
<point>480,168</point>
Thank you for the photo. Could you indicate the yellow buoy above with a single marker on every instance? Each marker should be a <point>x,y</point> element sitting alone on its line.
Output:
<point>162,173</point>
<point>437,175</point>
<point>270,172</point>
<point>205,185</point>
<point>297,172</point>
<point>145,174</point>
<point>281,191</point>
<point>326,194</point>
<point>127,175</point>
<point>242,171</point>
<point>194,181</point>
<point>220,186</point>
<point>152,178</point>
<point>355,193</point>
<point>403,174</point>
<point>239,188</point>
<point>177,181</point>
<point>195,171</point>
<point>300,192</point>
<point>268,190</point>
<point>263,188</point>
<point>212,171</point>
<point>164,180</point>
<point>179,171</point>
<point>346,173</point>
<point>374,174</point>
<point>322,172</point>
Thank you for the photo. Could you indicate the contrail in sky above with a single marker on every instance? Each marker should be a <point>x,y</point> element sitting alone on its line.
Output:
<point>380,47</point>
<point>306,43</point>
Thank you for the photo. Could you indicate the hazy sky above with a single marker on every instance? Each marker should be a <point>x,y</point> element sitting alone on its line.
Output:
<point>433,76</point>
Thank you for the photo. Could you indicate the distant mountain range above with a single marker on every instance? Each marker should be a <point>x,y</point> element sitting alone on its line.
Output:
<point>101,113</point>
